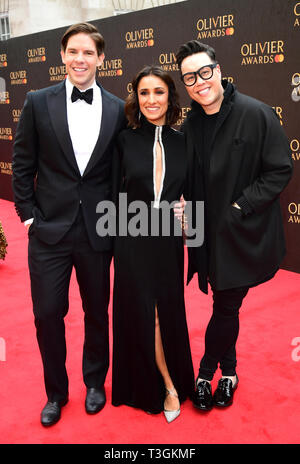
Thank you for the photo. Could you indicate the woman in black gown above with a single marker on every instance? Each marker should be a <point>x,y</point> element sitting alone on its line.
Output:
<point>152,365</point>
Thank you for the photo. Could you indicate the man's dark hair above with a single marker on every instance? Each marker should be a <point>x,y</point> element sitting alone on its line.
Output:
<point>85,28</point>
<point>192,47</point>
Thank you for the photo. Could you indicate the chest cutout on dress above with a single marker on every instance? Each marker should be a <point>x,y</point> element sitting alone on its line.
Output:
<point>158,166</point>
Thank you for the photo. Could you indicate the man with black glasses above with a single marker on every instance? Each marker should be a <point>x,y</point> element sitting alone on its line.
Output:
<point>239,163</point>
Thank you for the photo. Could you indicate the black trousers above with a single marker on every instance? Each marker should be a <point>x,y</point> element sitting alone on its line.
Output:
<point>50,269</point>
<point>222,333</point>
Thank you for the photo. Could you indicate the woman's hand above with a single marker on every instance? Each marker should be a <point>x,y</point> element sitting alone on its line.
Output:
<point>179,212</point>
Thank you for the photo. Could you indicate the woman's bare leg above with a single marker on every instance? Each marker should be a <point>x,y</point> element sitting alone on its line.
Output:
<point>171,402</point>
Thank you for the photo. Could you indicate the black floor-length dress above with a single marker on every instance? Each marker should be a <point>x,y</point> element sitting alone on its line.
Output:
<point>149,273</point>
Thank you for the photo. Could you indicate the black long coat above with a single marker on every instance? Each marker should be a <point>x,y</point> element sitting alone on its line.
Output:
<point>250,162</point>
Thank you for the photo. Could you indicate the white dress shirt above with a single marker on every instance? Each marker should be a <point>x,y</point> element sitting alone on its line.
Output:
<point>84,123</point>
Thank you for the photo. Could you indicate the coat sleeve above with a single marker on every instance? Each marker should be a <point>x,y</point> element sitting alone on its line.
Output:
<point>25,161</point>
<point>117,175</point>
<point>276,165</point>
<point>189,184</point>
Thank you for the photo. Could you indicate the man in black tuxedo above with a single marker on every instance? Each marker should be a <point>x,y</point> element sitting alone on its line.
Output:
<point>61,171</point>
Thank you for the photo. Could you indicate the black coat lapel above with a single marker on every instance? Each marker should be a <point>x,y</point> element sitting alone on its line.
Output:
<point>108,123</point>
<point>57,107</point>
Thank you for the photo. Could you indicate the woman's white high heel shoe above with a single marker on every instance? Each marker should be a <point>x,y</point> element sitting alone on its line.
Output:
<point>171,415</point>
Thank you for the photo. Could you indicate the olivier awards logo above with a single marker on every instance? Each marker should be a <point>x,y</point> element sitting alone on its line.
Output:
<point>297,14</point>
<point>18,77</point>
<point>214,27</point>
<point>3,60</point>
<point>16,113</point>
<point>36,55</point>
<point>6,133</point>
<point>183,114</point>
<point>5,167</point>
<point>271,51</point>
<point>296,87</point>
<point>294,213</point>
<point>4,98</point>
<point>278,110</point>
<point>57,73</point>
<point>228,78</point>
<point>295,147</point>
<point>110,68</point>
<point>167,62</point>
<point>140,39</point>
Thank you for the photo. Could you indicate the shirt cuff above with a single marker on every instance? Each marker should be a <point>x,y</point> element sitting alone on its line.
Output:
<point>244,205</point>
<point>28,221</point>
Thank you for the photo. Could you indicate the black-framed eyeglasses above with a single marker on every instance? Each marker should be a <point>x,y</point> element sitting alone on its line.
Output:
<point>205,72</point>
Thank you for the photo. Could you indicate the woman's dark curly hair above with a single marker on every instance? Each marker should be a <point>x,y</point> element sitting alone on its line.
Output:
<point>132,109</point>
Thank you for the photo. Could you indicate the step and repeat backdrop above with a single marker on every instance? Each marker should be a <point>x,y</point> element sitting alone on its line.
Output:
<point>256,43</point>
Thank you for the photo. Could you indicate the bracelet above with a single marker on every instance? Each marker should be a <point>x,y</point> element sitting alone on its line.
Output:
<point>184,222</point>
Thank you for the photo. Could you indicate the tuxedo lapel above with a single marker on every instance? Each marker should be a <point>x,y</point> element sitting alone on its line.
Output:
<point>57,107</point>
<point>108,122</point>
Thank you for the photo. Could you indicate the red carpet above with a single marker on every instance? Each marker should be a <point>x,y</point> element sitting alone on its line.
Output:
<point>266,408</point>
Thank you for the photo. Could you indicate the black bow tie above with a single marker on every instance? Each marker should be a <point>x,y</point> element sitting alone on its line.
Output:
<point>87,95</point>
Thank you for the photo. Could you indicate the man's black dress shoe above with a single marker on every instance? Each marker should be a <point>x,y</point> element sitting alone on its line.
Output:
<point>51,412</point>
<point>203,396</point>
<point>95,400</point>
<point>223,395</point>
